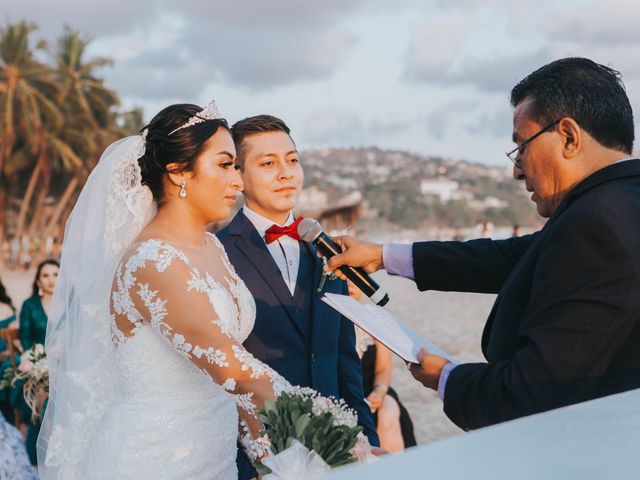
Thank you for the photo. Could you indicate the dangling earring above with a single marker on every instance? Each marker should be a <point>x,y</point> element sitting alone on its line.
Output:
<point>183,190</point>
<point>40,291</point>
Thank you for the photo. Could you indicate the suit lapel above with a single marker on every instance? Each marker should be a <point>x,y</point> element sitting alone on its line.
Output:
<point>317,265</point>
<point>256,252</point>
<point>317,305</point>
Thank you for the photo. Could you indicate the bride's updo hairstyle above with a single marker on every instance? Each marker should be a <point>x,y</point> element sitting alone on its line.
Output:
<point>181,148</point>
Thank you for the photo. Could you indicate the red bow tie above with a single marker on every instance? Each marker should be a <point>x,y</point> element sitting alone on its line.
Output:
<point>274,232</point>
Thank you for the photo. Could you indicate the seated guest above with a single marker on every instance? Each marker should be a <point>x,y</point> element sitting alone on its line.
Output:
<point>14,463</point>
<point>392,420</point>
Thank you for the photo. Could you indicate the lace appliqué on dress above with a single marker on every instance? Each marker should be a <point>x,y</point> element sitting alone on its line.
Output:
<point>231,315</point>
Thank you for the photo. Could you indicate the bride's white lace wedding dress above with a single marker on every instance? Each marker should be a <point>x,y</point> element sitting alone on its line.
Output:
<point>187,389</point>
<point>148,376</point>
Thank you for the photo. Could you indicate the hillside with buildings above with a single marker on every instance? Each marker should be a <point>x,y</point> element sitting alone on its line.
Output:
<point>414,191</point>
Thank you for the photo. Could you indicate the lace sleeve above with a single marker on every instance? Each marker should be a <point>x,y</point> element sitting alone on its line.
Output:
<point>157,285</point>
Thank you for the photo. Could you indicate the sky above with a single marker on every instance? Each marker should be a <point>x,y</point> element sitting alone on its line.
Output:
<point>426,76</point>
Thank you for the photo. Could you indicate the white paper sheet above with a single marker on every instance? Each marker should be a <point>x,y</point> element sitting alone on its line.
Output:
<point>384,326</point>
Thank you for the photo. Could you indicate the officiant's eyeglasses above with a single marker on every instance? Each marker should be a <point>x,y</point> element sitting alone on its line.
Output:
<point>515,155</point>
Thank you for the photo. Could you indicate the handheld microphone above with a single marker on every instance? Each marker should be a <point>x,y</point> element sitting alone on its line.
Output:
<point>310,231</point>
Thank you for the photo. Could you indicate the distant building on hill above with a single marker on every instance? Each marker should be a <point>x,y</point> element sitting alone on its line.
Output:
<point>446,190</point>
<point>312,199</point>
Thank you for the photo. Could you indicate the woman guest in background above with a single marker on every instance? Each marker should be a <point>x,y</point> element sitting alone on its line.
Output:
<point>33,328</point>
<point>393,424</point>
<point>33,315</point>
<point>7,318</point>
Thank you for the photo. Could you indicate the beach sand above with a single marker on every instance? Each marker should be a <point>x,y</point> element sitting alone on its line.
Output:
<point>453,321</point>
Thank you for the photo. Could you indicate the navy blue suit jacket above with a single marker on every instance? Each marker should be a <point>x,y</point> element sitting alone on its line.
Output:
<point>312,346</point>
<point>565,327</point>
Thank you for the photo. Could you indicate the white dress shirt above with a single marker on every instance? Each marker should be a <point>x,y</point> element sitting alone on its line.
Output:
<point>285,251</point>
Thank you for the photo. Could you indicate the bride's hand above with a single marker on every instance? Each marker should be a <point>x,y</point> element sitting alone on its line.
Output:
<point>375,399</point>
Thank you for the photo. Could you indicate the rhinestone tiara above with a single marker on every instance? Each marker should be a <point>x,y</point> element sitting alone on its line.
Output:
<point>210,112</point>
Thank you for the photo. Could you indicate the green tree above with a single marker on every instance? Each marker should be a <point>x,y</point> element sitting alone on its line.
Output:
<point>26,106</point>
<point>56,117</point>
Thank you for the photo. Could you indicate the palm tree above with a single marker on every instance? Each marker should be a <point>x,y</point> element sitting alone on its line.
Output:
<point>26,105</point>
<point>91,123</point>
<point>81,92</point>
<point>55,119</point>
<point>26,86</point>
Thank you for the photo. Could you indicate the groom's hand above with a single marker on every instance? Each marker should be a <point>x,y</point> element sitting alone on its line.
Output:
<point>356,253</point>
<point>429,369</point>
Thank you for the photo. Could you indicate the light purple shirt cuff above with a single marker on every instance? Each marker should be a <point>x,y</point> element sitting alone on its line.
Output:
<point>398,259</point>
<point>444,376</point>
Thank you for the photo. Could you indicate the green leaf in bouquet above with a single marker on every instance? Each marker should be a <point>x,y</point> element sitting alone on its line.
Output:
<point>320,434</point>
<point>261,469</point>
<point>316,444</point>
<point>345,459</point>
<point>334,444</point>
<point>290,442</point>
<point>8,378</point>
<point>269,407</point>
<point>301,424</point>
<point>335,439</point>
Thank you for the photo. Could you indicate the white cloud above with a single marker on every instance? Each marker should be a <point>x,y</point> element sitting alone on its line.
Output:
<point>606,23</point>
<point>339,127</point>
<point>435,46</point>
<point>255,44</point>
<point>411,74</point>
<point>439,118</point>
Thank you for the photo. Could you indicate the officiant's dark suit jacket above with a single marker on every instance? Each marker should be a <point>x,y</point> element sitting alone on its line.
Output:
<point>565,326</point>
<point>299,336</point>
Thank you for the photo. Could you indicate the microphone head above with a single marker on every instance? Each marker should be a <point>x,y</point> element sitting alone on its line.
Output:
<point>309,229</point>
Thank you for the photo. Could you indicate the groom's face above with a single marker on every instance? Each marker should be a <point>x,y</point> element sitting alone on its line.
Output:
<point>272,174</point>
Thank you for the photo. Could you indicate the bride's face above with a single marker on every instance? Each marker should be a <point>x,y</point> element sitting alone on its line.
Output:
<point>214,183</point>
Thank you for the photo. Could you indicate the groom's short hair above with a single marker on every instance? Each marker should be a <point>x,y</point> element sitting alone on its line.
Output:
<point>252,126</point>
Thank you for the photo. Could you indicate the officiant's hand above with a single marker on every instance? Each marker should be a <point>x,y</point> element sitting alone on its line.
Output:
<point>356,253</point>
<point>429,370</point>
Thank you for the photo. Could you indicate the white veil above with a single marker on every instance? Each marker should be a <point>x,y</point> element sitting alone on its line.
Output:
<point>112,209</point>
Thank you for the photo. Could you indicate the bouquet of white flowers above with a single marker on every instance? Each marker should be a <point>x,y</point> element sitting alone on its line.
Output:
<point>309,434</point>
<point>34,370</point>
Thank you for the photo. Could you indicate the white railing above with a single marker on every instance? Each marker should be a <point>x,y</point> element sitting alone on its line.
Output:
<point>599,440</point>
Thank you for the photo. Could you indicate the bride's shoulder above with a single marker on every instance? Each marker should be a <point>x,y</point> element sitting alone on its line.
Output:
<point>152,251</point>
<point>215,240</point>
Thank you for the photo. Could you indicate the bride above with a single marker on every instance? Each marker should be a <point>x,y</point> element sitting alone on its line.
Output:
<point>149,378</point>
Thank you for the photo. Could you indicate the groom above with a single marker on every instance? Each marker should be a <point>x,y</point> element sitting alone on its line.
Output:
<point>295,333</point>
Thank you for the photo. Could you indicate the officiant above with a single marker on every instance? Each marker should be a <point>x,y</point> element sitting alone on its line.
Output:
<point>565,326</point>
